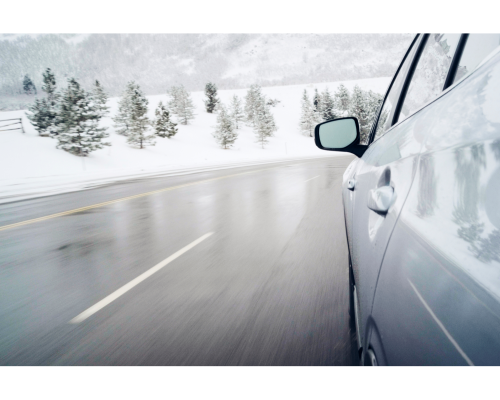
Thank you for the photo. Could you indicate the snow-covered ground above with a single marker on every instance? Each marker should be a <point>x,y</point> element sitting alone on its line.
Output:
<point>31,165</point>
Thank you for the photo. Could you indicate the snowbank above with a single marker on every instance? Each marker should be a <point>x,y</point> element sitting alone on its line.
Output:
<point>31,166</point>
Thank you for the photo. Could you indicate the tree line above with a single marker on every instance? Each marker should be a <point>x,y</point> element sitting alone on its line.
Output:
<point>363,105</point>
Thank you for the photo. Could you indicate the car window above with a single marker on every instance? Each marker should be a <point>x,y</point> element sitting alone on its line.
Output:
<point>430,74</point>
<point>387,113</point>
<point>477,48</point>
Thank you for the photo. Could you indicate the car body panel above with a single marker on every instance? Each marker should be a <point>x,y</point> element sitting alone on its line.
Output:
<point>393,157</point>
<point>437,300</point>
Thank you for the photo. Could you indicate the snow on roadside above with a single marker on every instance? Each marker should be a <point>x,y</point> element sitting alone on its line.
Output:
<point>31,166</point>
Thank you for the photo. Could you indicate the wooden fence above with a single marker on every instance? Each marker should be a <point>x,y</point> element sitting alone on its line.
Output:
<point>19,122</point>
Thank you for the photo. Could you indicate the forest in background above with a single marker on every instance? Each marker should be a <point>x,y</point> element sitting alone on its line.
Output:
<point>158,61</point>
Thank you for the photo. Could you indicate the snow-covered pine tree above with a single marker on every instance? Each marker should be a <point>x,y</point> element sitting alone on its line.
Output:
<point>38,115</point>
<point>253,100</point>
<point>327,105</point>
<point>49,85</point>
<point>100,99</point>
<point>342,100</point>
<point>236,111</point>
<point>308,117</point>
<point>139,121</point>
<point>43,113</point>
<point>212,100</point>
<point>28,85</point>
<point>359,108</point>
<point>78,129</point>
<point>225,131</point>
<point>163,126</point>
<point>264,125</point>
<point>317,102</point>
<point>122,118</point>
<point>180,104</point>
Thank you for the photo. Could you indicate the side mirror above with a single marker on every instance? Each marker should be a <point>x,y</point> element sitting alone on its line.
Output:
<point>340,134</point>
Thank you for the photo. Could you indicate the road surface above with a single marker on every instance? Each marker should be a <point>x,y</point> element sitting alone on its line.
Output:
<point>243,266</point>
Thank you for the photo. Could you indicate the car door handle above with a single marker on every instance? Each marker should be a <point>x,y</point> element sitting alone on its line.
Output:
<point>381,199</point>
<point>351,184</point>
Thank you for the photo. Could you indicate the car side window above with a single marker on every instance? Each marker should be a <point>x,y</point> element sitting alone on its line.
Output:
<point>477,48</point>
<point>430,73</point>
<point>387,113</point>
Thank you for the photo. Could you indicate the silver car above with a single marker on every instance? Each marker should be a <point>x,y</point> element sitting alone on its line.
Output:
<point>422,208</point>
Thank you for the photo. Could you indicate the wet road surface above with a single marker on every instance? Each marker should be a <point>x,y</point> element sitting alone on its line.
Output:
<point>269,286</point>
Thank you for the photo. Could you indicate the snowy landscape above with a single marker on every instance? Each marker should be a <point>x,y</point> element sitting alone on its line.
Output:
<point>31,165</point>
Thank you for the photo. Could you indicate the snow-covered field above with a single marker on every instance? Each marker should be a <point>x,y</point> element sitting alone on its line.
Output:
<point>31,165</point>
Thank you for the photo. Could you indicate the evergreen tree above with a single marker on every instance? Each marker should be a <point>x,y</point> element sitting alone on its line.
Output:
<point>122,118</point>
<point>43,113</point>
<point>212,100</point>
<point>28,85</point>
<point>78,129</point>
<point>38,115</point>
<point>253,100</point>
<point>163,126</point>
<point>49,85</point>
<point>225,130</point>
<point>308,117</point>
<point>139,121</point>
<point>328,105</point>
<point>317,102</point>
<point>264,125</point>
<point>100,99</point>
<point>180,104</point>
<point>236,111</point>
<point>360,109</point>
<point>342,100</point>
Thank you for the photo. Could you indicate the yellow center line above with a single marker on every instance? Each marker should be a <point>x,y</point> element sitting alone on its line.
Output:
<point>106,203</point>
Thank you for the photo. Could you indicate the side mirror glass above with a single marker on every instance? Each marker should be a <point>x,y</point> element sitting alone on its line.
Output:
<point>337,134</point>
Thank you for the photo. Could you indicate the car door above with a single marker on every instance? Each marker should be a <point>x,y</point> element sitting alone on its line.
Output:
<point>386,171</point>
<point>437,301</point>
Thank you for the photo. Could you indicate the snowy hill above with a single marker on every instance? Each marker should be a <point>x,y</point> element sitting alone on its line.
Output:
<point>233,61</point>
<point>30,164</point>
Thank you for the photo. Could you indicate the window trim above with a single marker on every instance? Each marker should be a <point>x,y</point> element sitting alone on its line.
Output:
<point>407,54</point>
<point>452,72</point>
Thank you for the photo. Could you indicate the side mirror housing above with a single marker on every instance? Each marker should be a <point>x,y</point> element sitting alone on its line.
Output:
<point>340,134</point>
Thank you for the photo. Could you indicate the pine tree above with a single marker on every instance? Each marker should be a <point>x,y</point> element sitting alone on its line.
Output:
<point>212,100</point>
<point>225,130</point>
<point>359,108</point>
<point>236,111</point>
<point>100,99</point>
<point>139,121</point>
<point>122,118</point>
<point>163,126</point>
<point>38,115</point>
<point>43,113</point>
<point>28,85</point>
<point>317,102</point>
<point>180,104</point>
<point>49,85</point>
<point>308,117</point>
<point>78,129</point>
<point>327,105</point>
<point>342,99</point>
<point>253,100</point>
<point>264,125</point>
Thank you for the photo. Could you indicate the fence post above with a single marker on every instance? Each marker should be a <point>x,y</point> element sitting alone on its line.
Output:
<point>22,127</point>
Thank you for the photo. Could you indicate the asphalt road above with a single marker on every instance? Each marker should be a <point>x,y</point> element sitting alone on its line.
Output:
<point>265,284</point>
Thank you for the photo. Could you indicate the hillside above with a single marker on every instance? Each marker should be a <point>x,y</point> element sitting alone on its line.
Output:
<point>232,61</point>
